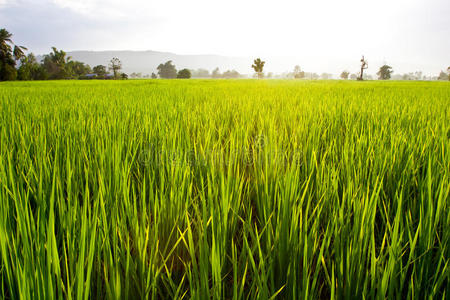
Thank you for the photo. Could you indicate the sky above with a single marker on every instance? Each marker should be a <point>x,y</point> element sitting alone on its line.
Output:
<point>319,35</point>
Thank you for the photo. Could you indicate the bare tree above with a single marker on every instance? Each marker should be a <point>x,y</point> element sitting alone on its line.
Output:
<point>364,65</point>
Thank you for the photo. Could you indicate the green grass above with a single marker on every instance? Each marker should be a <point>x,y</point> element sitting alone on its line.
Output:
<point>224,189</point>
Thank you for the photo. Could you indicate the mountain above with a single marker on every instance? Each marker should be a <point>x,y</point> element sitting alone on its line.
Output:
<point>146,62</point>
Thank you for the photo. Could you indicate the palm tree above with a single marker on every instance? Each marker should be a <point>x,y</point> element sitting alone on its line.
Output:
<point>55,64</point>
<point>9,54</point>
<point>258,66</point>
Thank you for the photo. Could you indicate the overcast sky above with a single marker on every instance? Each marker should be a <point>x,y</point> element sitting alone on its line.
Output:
<point>319,35</point>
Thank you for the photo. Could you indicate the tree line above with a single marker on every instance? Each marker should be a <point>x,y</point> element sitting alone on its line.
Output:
<point>384,73</point>
<point>15,65</point>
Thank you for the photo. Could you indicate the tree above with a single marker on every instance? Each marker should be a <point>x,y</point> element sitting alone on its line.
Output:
<point>364,66</point>
<point>55,64</point>
<point>345,74</point>
<point>184,74</point>
<point>30,69</point>
<point>353,77</point>
<point>124,76</point>
<point>77,69</point>
<point>154,76</point>
<point>9,54</point>
<point>115,65</point>
<point>385,72</point>
<point>200,73</point>
<point>100,70</point>
<point>136,75</point>
<point>311,75</point>
<point>442,76</point>
<point>448,73</point>
<point>231,74</point>
<point>258,66</point>
<point>216,73</point>
<point>298,73</point>
<point>167,70</point>
<point>418,75</point>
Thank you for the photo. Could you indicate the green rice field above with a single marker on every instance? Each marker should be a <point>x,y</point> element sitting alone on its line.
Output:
<point>224,189</point>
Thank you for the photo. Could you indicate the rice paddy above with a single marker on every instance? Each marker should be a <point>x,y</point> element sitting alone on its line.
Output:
<point>224,189</point>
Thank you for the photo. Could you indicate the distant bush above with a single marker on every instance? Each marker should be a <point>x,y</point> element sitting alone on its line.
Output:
<point>184,74</point>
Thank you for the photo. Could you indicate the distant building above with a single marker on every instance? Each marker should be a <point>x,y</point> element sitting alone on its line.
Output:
<point>96,76</point>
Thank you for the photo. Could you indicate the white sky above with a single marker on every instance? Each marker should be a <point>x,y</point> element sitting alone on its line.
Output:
<point>319,35</point>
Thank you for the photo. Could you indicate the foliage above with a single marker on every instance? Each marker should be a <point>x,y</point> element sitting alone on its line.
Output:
<point>100,70</point>
<point>55,64</point>
<point>231,74</point>
<point>60,66</point>
<point>385,72</point>
<point>30,69</point>
<point>224,190</point>
<point>344,75</point>
<point>124,76</point>
<point>136,75</point>
<point>200,73</point>
<point>9,54</point>
<point>258,66</point>
<point>77,69</point>
<point>167,70</point>
<point>154,76</point>
<point>184,74</point>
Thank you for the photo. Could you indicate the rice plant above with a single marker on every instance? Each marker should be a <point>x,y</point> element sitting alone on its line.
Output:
<point>222,189</point>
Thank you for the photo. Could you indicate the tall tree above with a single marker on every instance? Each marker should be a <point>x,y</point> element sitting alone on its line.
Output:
<point>55,64</point>
<point>364,66</point>
<point>9,54</point>
<point>385,72</point>
<point>115,65</point>
<point>258,66</point>
<point>167,70</point>
<point>30,69</point>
